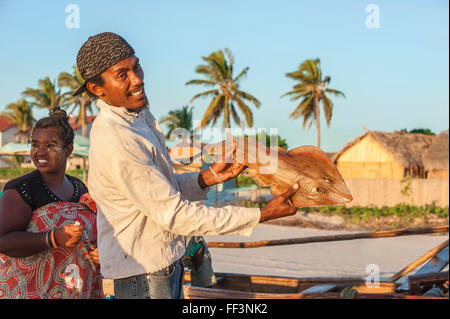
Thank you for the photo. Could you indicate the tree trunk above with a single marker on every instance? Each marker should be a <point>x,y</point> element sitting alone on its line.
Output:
<point>83,117</point>
<point>316,102</point>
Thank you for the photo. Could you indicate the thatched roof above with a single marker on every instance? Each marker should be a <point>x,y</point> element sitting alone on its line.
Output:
<point>407,148</point>
<point>436,158</point>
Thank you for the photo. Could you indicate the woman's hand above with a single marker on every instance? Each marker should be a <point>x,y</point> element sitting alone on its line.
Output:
<point>68,235</point>
<point>94,254</point>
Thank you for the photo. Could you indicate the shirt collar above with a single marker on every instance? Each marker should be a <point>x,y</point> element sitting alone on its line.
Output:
<point>120,110</point>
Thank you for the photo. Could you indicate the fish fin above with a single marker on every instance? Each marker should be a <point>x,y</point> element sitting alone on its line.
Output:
<point>258,178</point>
<point>309,151</point>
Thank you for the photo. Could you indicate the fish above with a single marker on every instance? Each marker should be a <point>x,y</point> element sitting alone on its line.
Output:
<point>319,181</point>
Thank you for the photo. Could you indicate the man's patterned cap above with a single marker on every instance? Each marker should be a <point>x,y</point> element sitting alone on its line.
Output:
<point>99,53</point>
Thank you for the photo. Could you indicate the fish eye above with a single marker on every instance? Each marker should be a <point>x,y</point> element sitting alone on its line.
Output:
<point>327,179</point>
<point>321,190</point>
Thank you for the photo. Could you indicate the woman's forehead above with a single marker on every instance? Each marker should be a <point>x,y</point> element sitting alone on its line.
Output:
<point>47,134</point>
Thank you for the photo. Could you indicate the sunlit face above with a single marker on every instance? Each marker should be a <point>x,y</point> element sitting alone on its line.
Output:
<point>123,85</point>
<point>48,152</point>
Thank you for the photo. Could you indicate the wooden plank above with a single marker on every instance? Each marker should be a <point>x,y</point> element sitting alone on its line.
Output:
<point>384,287</point>
<point>319,239</point>
<point>416,263</point>
<point>435,264</point>
<point>209,293</point>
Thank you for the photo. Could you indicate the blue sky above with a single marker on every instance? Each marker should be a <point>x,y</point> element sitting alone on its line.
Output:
<point>394,76</point>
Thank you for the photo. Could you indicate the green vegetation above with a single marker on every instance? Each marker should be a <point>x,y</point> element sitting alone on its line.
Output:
<point>250,204</point>
<point>426,131</point>
<point>14,172</point>
<point>265,139</point>
<point>374,218</point>
<point>78,173</point>
<point>82,102</point>
<point>358,213</point>
<point>20,113</point>
<point>180,118</point>
<point>243,180</point>
<point>47,96</point>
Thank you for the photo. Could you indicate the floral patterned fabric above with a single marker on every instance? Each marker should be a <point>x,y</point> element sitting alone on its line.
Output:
<point>64,272</point>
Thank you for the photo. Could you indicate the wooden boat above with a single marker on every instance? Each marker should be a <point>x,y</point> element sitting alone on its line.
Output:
<point>429,282</point>
<point>238,286</point>
<point>400,286</point>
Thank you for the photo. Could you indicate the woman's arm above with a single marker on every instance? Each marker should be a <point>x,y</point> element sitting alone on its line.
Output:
<point>15,241</point>
<point>15,216</point>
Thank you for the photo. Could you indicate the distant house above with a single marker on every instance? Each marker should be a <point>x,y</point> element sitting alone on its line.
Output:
<point>384,155</point>
<point>436,158</point>
<point>8,131</point>
<point>73,121</point>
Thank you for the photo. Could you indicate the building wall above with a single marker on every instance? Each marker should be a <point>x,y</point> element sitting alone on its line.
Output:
<point>441,174</point>
<point>388,192</point>
<point>80,131</point>
<point>367,159</point>
<point>366,150</point>
<point>370,170</point>
<point>8,136</point>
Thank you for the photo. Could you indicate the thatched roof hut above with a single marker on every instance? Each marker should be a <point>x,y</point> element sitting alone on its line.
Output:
<point>436,159</point>
<point>383,155</point>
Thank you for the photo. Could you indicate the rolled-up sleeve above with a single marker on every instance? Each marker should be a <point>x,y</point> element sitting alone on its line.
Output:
<point>189,187</point>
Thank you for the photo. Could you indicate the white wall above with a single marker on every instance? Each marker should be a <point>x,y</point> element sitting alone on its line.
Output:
<point>9,136</point>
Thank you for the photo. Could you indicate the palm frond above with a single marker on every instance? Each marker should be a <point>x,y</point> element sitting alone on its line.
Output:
<point>327,108</point>
<point>230,63</point>
<point>304,107</point>
<point>219,72</point>
<point>335,92</point>
<point>205,94</point>
<point>235,116</point>
<point>299,91</point>
<point>204,82</point>
<point>249,97</point>
<point>241,75</point>
<point>207,70</point>
<point>212,112</point>
<point>246,111</point>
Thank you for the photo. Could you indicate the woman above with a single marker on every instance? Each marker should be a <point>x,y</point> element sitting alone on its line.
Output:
<point>45,229</point>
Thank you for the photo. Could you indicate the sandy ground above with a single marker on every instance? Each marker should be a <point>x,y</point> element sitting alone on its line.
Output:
<point>329,259</point>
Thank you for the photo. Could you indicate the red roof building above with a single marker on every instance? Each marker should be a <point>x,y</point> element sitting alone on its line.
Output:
<point>5,123</point>
<point>75,125</point>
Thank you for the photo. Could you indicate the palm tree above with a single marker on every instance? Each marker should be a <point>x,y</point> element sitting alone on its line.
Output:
<point>83,101</point>
<point>311,89</point>
<point>46,96</point>
<point>20,113</point>
<point>180,118</point>
<point>219,73</point>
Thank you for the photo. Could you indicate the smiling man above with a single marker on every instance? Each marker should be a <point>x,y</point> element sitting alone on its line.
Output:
<point>144,209</point>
